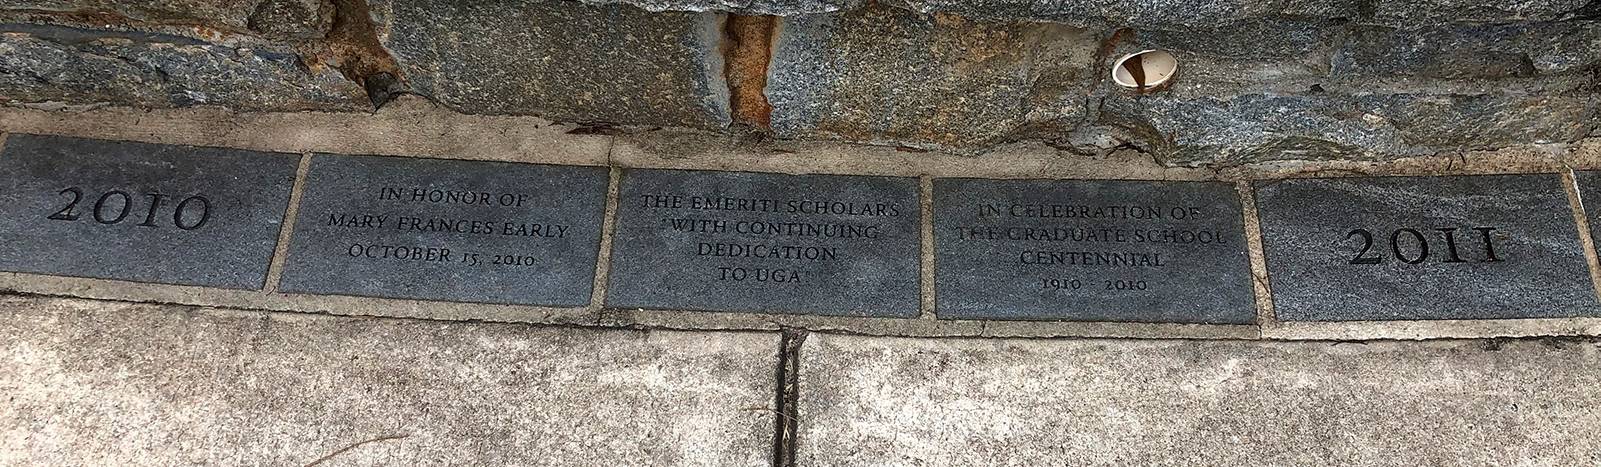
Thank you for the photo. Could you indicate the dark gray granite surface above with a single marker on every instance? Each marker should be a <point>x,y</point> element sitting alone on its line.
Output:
<point>1091,251</point>
<point>1344,249</point>
<point>766,243</point>
<point>141,212</point>
<point>490,232</point>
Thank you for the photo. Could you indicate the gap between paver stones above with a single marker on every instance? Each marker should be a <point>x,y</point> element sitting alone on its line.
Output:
<point>1570,184</point>
<point>280,252</point>
<point>608,226</point>
<point>925,203</point>
<point>1253,250</point>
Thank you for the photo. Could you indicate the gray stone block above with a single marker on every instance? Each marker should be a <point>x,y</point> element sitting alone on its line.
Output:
<point>1388,248</point>
<point>743,7</point>
<point>141,212</point>
<point>1433,124</point>
<point>1277,39</point>
<point>1165,15</point>
<point>1140,15</point>
<point>1243,95</point>
<point>1229,130</point>
<point>1182,129</point>
<point>885,76</point>
<point>1470,51</point>
<point>296,19</point>
<point>1091,251</point>
<point>1249,90</point>
<point>1176,15</point>
<point>1411,13</point>
<point>562,60</point>
<point>447,230</point>
<point>109,383</point>
<point>766,243</point>
<point>897,401</point>
<point>40,64</point>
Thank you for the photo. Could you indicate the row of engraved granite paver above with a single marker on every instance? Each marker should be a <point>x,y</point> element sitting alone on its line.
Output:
<point>1375,248</point>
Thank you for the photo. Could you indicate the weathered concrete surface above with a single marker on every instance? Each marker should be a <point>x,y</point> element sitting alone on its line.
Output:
<point>107,383</point>
<point>877,401</point>
<point>55,65</point>
<point>560,60</point>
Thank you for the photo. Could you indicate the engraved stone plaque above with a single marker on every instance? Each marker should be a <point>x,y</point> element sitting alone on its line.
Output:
<point>487,232</point>
<point>766,243</point>
<point>141,212</point>
<point>1086,250</point>
<point>1391,248</point>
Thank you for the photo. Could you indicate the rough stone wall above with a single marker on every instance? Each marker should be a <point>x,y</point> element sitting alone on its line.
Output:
<point>1258,79</point>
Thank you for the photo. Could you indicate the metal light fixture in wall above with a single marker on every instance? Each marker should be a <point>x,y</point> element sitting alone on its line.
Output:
<point>1145,71</point>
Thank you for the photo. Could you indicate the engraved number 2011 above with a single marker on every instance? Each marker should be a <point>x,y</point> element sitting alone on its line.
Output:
<point>114,206</point>
<point>1420,242</point>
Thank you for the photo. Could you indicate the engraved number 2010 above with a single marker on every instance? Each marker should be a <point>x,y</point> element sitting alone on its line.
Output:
<point>1366,255</point>
<point>114,206</point>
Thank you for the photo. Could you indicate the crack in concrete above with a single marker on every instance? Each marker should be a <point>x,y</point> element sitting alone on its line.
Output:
<point>353,446</point>
<point>785,437</point>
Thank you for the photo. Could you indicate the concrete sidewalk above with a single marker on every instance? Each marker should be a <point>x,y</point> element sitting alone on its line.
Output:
<point>896,401</point>
<point>111,383</point>
<point>116,383</point>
